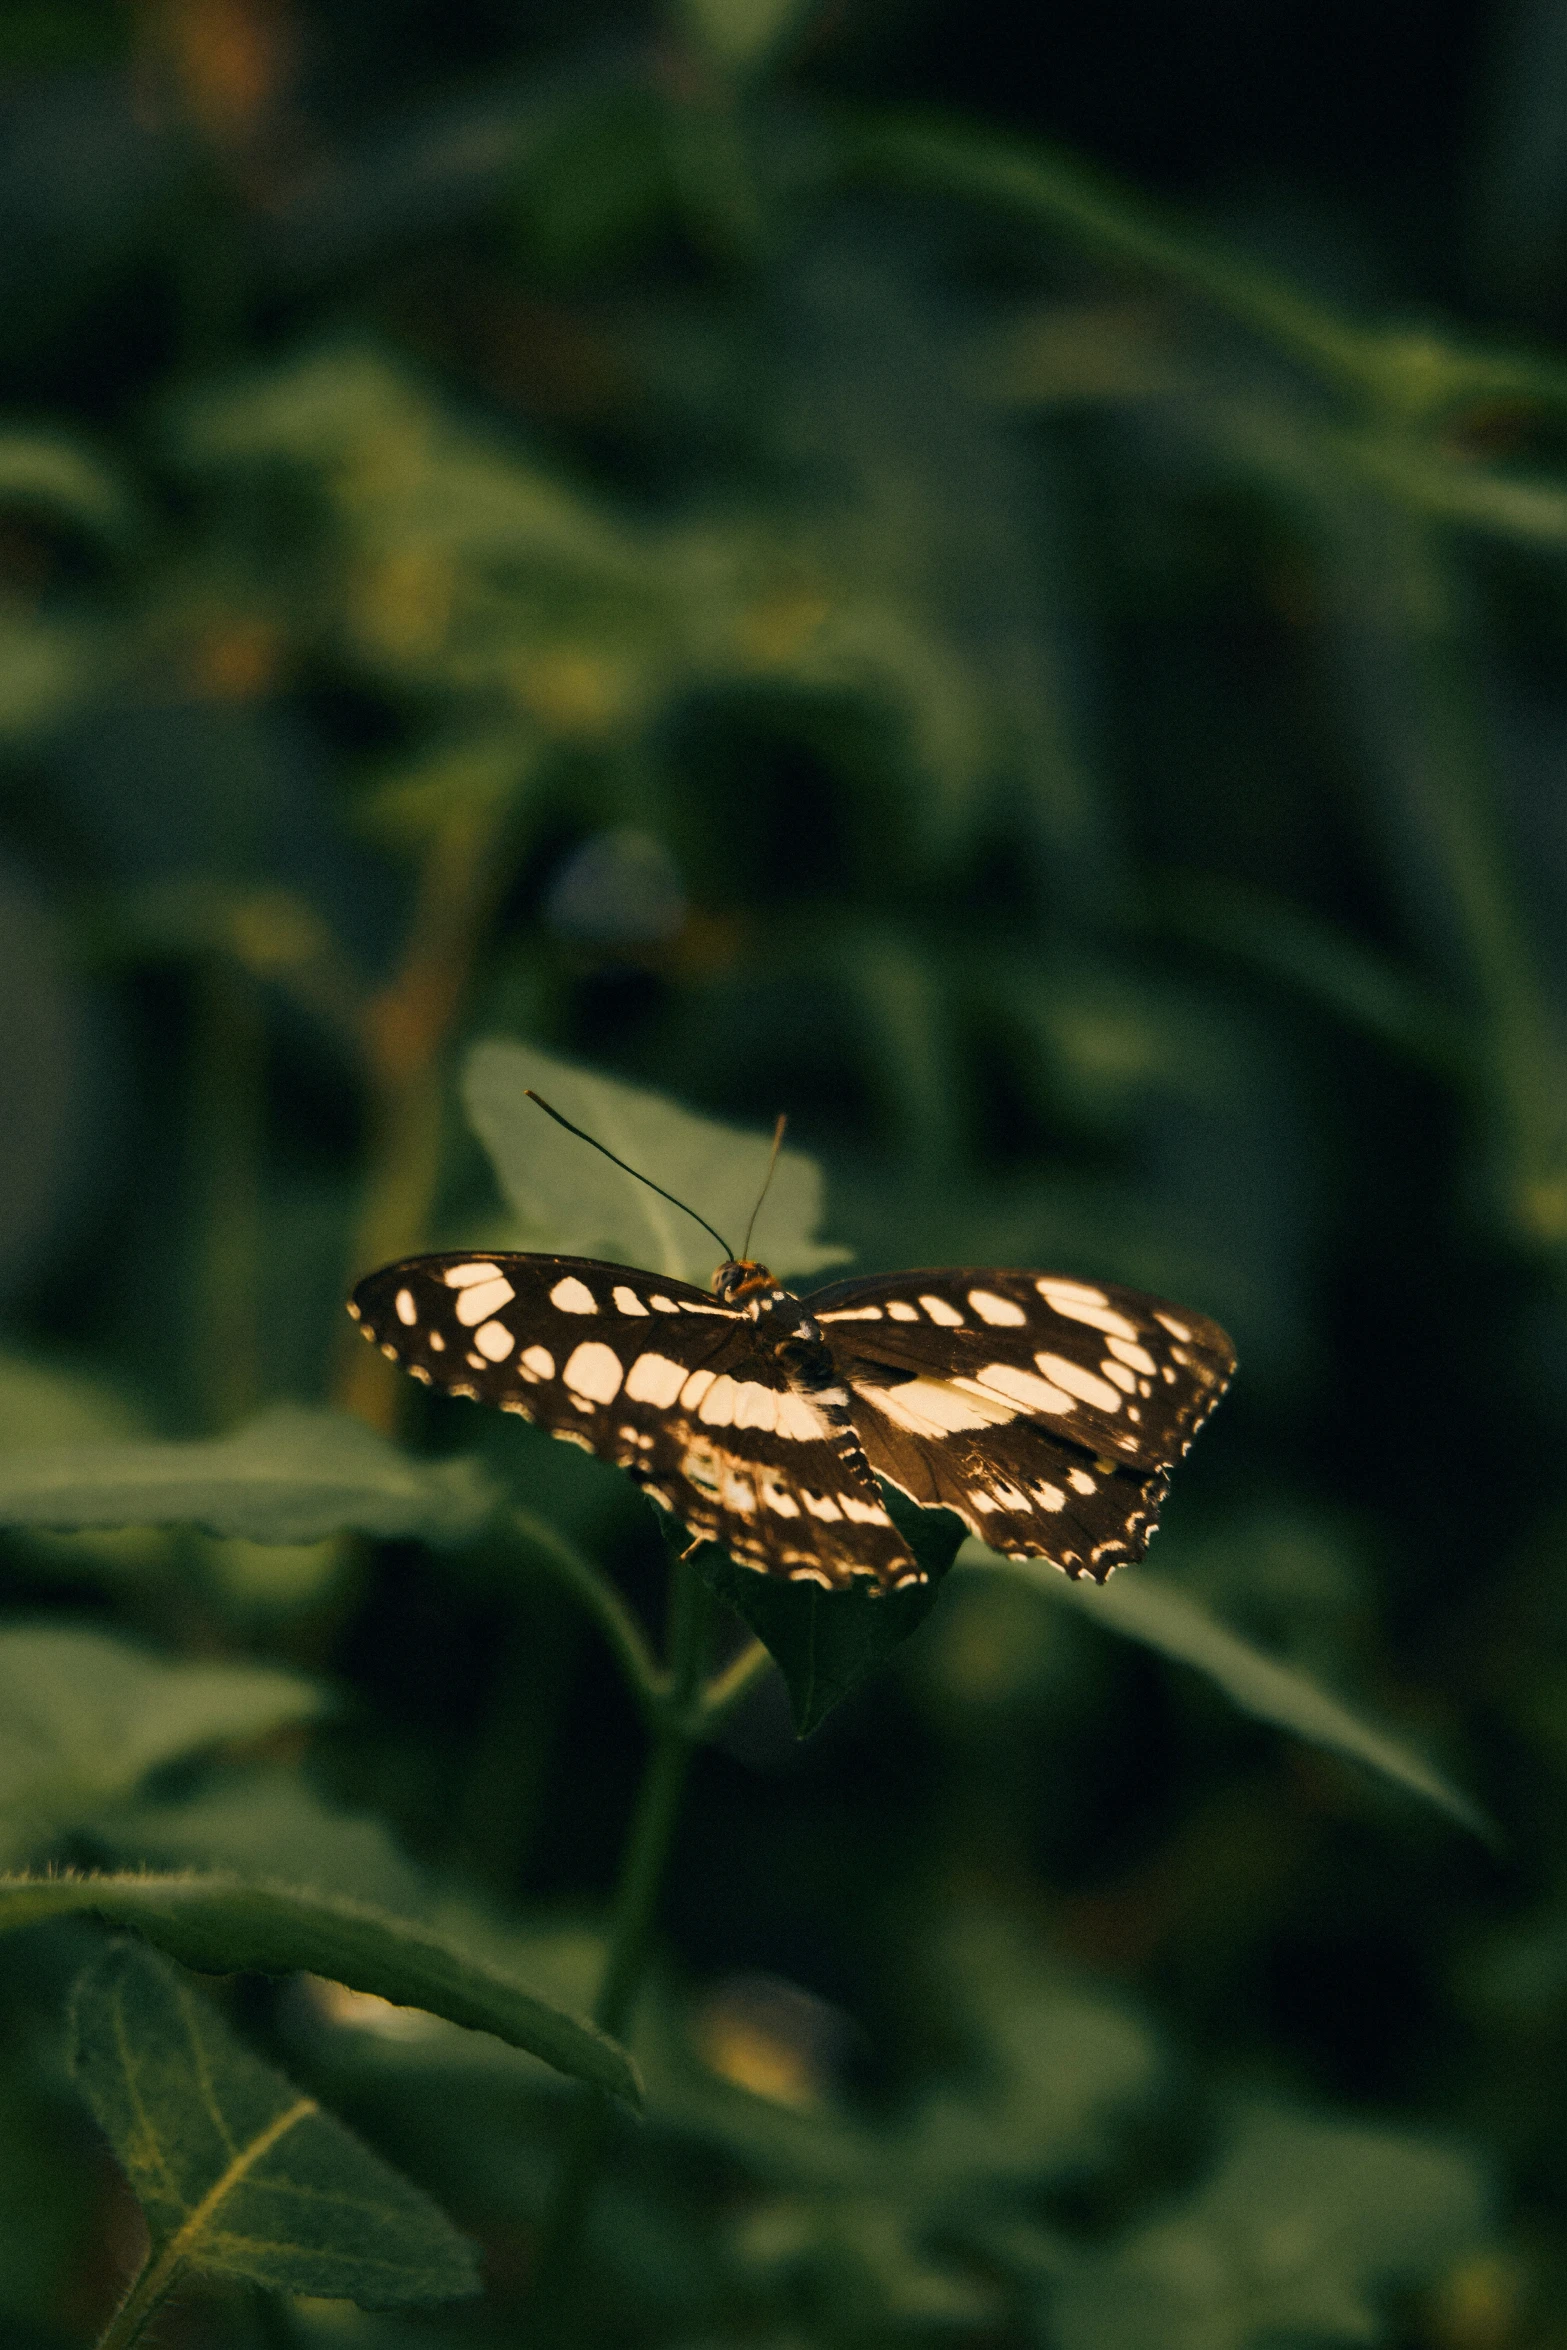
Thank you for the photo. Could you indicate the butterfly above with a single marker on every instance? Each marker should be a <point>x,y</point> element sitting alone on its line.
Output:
<point>1045,1411</point>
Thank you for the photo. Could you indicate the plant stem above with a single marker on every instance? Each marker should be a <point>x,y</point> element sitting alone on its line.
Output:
<point>141,2305</point>
<point>578,1575</point>
<point>725,1690</point>
<point>678,1730</point>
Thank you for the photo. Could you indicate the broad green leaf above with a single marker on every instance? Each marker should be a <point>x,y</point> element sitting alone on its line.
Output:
<point>265,1822</point>
<point>223,1924</point>
<point>826,1642</point>
<point>60,477</point>
<point>741,34</point>
<point>239,2173</point>
<point>85,1717</point>
<point>289,1476</point>
<point>1142,1607</point>
<point>1300,2233</point>
<point>43,1403</point>
<point>570,1200</point>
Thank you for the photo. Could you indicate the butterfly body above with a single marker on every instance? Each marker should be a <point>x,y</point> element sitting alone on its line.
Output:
<point>1045,1412</point>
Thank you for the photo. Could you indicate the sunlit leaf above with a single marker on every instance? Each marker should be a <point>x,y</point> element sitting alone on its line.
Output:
<point>291,1475</point>
<point>1300,2233</point>
<point>741,34</point>
<point>570,1200</point>
<point>238,2172</point>
<point>85,1717</point>
<point>1144,1608</point>
<point>224,1924</point>
<point>62,478</point>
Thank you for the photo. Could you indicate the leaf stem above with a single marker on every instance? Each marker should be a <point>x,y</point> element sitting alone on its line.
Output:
<point>677,1732</point>
<point>160,2276</point>
<point>577,1574</point>
<point>725,1690</point>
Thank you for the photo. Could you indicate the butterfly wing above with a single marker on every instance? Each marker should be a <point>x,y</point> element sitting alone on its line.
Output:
<point>656,1377</point>
<point>1045,1411</point>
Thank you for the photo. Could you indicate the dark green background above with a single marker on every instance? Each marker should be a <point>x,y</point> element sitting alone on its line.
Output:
<point>796,579</point>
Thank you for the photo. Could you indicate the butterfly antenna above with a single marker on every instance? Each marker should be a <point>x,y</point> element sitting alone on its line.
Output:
<point>778,1135</point>
<point>729,1253</point>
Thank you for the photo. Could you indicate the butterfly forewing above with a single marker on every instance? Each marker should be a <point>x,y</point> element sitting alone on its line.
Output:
<point>1045,1411</point>
<point>658,1378</point>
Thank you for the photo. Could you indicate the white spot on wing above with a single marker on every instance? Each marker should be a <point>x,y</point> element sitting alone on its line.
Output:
<point>822,1505</point>
<point>593,1370</point>
<point>755,1406</point>
<point>655,1379</point>
<point>938,1407</point>
<point>483,1299</point>
<point>1080,1481</point>
<point>494,1341</point>
<point>627,1300</point>
<point>701,1466</point>
<point>778,1498</point>
<point>717,1406</point>
<point>796,1418</point>
<point>695,1388</point>
<point>437,1343</point>
<point>999,1310</point>
<point>1175,1328</point>
<point>1137,1357</point>
<point>1022,1387</point>
<point>407,1311</point>
<point>940,1310</point>
<point>853,1314</point>
<point>536,1363</point>
<point>572,1296</point>
<point>1079,1303</point>
<point>738,1494</point>
<point>464,1276</point>
<point>901,1310</point>
<point>1086,1385</point>
<point>865,1513</point>
<point>1119,1376</point>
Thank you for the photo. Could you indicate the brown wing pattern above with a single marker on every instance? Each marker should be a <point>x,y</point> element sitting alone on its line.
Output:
<point>1045,1411</point>
<point>657,1378</point>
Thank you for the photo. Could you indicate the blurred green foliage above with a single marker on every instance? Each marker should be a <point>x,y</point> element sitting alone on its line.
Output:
<point>998,589</point>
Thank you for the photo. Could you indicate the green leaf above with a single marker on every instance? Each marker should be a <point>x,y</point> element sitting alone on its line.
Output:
<point>741,35</point>
<point>1142,1607</point>
<point>238,2173</point>
<point>225,1924</point>
<point>85,1717</point>
<point>826,1643</point>
<point>570,1200</point>
<point>289,1476</point>
<point>62,478</point>
<point>1301,2230</point>
<point>44,1403</point>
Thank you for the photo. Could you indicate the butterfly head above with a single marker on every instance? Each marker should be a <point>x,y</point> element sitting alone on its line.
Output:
<point>739,1279</point>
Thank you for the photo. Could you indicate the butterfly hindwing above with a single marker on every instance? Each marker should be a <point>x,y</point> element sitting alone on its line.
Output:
<point>656,1377</point>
